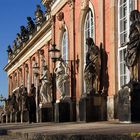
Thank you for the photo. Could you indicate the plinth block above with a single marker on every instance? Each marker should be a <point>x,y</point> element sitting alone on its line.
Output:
<point>25,116</point>
<point>18,116</point>
<point>92,108</point>
<point>46,113</point>
<point>129,103</point>
<point>62,112</point>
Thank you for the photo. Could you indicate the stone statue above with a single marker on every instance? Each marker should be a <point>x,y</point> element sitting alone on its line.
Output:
<point>19,40</point>
<point>14,46</point>
<point>31,25</point>
<point>24,98</point>
<point>24,34</point>
<point>133,46</point>
<point>39,16</point>
<point>31,104</point>
<point>92,68</point>
<point>62,77</point>
<point>10,51</point>
<point>45,89</point>
<point>13,102</point>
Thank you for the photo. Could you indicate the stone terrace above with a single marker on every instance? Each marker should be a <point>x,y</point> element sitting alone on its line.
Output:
<point>70,131</point>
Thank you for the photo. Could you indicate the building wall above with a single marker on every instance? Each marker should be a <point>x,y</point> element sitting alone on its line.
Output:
<point>105,12</point>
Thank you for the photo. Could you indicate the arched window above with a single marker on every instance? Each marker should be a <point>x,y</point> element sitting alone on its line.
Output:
<point>27,78</point>
<point>89,30</point>
<point>124,9</point>
<point>65,56</point>
<point>65,45</point>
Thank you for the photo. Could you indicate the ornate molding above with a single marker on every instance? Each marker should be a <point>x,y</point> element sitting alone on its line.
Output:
<point>71,3</point>
<point>60,18</point>
<point>84,4</point>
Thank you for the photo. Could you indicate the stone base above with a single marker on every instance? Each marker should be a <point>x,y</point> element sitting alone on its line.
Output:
<point>129,103</point>
<point>24,116</point>
<point>46,113</point>
<point>3,118</point>
<point>72,111</point>
<point>62,112</point>
<point>92,108</point>
<point>110,108</point>
<point>8,118</point>
<point>12,117</point>
<point>18,116</point>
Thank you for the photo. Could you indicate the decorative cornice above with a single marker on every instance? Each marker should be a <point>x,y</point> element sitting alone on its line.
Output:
<point>42,30</point>
<point>44,2</point>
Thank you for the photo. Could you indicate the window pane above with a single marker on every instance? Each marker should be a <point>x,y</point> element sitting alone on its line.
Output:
<point>65,46</point>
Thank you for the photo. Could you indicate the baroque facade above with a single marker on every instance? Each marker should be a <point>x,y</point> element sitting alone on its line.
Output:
<point>67,24</point>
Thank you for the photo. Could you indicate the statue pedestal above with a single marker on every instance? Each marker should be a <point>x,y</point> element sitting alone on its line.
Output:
<point>24,116</point>
<point>62,111</point>
<point>46,112</point>
<point>18,116</point>
<point>93,108</point>
<point>8,117</point>
<point>129,103</point>
<point>3,118</point>
<point>12,117</point>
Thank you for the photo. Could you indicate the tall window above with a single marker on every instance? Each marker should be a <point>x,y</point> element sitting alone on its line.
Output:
<point>65,46</point>
<point>124,8</point>
<point>89,31</point>
<point>27,78</point>
<point>65,56</point>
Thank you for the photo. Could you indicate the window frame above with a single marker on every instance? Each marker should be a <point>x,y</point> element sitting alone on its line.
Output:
<point>123,17</point>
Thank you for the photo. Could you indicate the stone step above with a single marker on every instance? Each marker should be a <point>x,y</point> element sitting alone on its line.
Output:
<point>44,136</point>
<point>8,137</point>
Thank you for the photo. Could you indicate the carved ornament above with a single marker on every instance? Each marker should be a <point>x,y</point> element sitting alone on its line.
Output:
<point>84,4</point>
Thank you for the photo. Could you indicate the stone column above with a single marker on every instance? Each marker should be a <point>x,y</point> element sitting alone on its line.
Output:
<point>30,70</point>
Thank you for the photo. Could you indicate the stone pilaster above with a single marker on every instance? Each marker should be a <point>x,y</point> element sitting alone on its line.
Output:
<point>101,24</point>
<point>110,108</point>
<point>30,69</point>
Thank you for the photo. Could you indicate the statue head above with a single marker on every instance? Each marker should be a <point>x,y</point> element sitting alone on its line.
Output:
<point>45,67</point>
<point>38,7</point>
<point>9,47</point>
<point>29,18</point>
<point>32,85</point>
<point>14,43</point>
<point>89,41</point>
<point>22,28</point>
<point>18,35</point>
<point>134,15</point>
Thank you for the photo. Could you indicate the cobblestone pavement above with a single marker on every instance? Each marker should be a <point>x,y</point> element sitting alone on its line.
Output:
<point>96,128</point>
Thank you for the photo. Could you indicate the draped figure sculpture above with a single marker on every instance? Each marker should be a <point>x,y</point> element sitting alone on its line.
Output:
<point>92,68</point>
<point>133,46</point>
<point>45,89</point>
<point>62,77</point>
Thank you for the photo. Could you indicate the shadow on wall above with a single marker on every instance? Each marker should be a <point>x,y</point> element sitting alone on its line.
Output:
<point>104,78</point>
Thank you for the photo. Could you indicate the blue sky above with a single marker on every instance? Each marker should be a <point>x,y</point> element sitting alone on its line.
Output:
<point>13,14</point>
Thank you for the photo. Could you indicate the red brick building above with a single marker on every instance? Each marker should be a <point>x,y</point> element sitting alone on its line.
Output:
<point>67,25</point>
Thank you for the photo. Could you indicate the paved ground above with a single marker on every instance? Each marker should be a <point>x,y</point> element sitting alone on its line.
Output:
<point>76,129</point>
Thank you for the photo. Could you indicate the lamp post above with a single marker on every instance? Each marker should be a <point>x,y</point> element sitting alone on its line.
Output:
<point>55,55</point>
<point>36,73</point>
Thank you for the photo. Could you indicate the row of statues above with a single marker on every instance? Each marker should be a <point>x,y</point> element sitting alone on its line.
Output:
<point>20,99</point>
<point>91,77</point>
<point>133,47</point>
<point>25,32</point>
